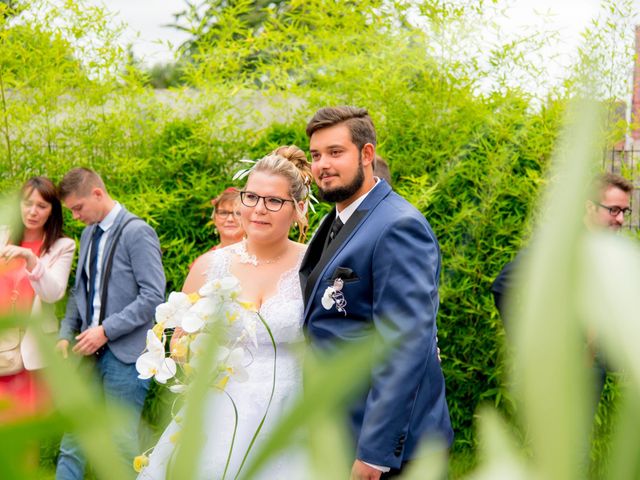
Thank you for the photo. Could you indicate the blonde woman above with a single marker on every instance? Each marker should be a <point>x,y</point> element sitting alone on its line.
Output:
<point>266,265</point>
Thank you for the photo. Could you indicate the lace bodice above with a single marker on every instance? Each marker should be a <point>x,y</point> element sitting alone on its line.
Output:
<point>282,311</point>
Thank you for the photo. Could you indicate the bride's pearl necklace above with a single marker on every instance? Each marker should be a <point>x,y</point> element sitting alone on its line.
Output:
<point>248,258</point>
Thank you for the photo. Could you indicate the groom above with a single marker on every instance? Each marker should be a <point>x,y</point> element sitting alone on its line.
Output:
<point>382,261</point>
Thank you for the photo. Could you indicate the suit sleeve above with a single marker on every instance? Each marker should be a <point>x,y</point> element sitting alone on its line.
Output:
<point>405,271</point>
<point>143,248</point>
<point>503,286</point>
<point>49,282</point>
<point>72,321</point>
<point>70,324</point>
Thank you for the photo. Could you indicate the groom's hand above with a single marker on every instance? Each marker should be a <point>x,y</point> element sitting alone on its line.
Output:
<point>90,340</point>
<point>362,471</point>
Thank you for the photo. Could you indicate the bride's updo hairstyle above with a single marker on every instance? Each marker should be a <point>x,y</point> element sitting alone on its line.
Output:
<point>291,163</point>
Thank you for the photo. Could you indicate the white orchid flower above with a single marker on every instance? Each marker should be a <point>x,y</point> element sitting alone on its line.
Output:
<point>207,308</point>
<point>207,290</point>
<point>153,363</point>
<point>233,363</point>
<point>170,312</point>
<point>192,322</point>
<point>165,312</point>
<point>180,300</point>
<point>199,343</point>
<point>327,298</point>
<point>178,388</point>
<point>229,285</point>
<point>154,344</point>
<point>167,369</point>
<point>226,286</point>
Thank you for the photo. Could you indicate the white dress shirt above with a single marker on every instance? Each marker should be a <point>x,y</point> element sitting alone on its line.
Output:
<point>105,224</point>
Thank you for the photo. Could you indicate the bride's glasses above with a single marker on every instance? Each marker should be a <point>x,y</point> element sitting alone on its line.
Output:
<point>273,204</point>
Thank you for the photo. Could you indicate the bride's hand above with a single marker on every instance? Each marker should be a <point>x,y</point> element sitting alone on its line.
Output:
<point>175,346</point>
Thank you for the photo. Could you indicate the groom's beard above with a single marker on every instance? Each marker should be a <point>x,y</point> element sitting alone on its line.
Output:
<point>340,194</point>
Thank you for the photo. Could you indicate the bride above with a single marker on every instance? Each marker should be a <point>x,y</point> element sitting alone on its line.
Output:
<point>274,198</point>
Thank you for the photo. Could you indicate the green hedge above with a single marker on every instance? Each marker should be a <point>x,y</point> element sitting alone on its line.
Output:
<point>477,196</point>
<point>472,162</point>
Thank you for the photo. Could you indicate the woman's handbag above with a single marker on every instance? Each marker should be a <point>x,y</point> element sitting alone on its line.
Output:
<point>10,339</point>
<point>10,355</point>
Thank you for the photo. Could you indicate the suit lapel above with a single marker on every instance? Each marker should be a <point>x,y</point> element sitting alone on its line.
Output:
<point>109,245</point>
<point>314,252</point>
<point>333,248</point>
<point>344,233</point>
<point>114,228</point>
<point>81,275</point>
<point>316,260</point>
<point>85,241</point>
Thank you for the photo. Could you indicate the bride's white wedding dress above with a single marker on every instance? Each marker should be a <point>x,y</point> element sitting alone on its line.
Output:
<point>283,313</point>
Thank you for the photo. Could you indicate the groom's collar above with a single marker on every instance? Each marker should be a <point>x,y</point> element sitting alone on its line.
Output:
<point>348,211</point>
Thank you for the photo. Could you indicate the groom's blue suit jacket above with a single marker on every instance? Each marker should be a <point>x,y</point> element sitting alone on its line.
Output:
<point>389,259</point>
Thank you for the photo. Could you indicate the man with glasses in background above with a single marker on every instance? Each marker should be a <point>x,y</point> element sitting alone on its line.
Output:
<point>611,203</point>
<point>606,209</point>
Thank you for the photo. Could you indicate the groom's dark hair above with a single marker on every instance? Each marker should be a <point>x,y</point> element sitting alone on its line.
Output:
<point>356,119</point>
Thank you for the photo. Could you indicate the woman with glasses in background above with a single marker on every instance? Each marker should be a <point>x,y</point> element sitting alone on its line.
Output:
<point>226,219</point>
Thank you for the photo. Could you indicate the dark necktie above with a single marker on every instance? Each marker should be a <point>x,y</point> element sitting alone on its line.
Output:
<point>335,228</point>
<point>93,268</point>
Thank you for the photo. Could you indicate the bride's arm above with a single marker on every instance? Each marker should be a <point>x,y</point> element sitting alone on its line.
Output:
<point>198,274</point>
<point>196,278</point>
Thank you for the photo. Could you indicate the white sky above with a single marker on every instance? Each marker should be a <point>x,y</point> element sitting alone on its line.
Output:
<point>145,19</point>
<point>146,26</point>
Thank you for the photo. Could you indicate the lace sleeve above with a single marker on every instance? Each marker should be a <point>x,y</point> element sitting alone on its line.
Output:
<point>219,263</point>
